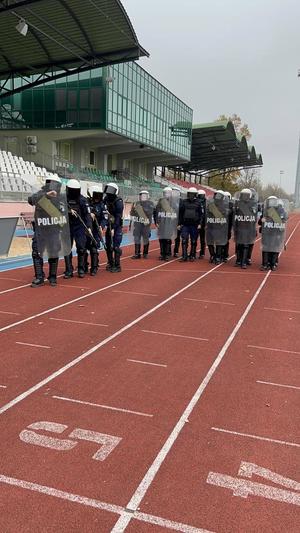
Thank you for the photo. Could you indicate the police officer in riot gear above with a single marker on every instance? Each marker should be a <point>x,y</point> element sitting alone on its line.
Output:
<point>166,219</point>
<point>114,232</point>
<point>273,230</point>
<point>245,218</point>
<point>99,217</point>
<point>80,222</point>
<point>225,254</point>
<point>190,219</point>
<point>46,239</point>
<point>176,194</point>
<point>217,214</point>
<point>141,216</point>
<point>202,200</point>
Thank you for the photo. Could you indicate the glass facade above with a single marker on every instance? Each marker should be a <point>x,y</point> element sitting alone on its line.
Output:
<point>142,109</point>
<point>123,98</point>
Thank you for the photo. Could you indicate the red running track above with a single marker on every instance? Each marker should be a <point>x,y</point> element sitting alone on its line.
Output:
<point>174,406</point>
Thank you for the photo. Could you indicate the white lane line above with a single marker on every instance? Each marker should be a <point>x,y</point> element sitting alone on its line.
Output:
<point>74,286</point>
<point>278,385</point>
<point>102,506</point>
<point>83,297</point>
<point>257,437</point>
<point>9,313</point>
<point>137,293</point>
<point>271,349</point>
<point>174,335</point>
<point>61,275</point>
<point>146,363</point>
<point>89,352</point>
<point>10,279</point>
<point>78,322</point>
<point>281,310</point>
<point>3,387</point>
<point>34,345</point>
<point>109,407</point>
<point>208,301</point>
<point>147,480</point>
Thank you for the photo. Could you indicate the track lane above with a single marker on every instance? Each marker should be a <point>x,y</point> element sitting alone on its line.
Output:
<point>180,388</point>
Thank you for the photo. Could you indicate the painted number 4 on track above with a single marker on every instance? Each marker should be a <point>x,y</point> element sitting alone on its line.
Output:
<point>30,436</point>
<point>243,487</point>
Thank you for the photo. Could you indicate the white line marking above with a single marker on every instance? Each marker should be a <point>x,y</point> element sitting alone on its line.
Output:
<point>3,387</point>
<point>79,322</point>
<point>257,437</point>
<point>10,279</point>
<point>278,385</point>
<point>281,310</point>
<point>144,485</point>
<point>137,293</point>
<point>174,335</point>
<point>74,286</point>
<point>60,276</point>
<point>34,345</point>
<point>89,352</point>
<point>102,406</point>
<point>102,506</point>
<point>146,363</point>
<point>9,313</point>
<point>208,301</point>
<point>79,298</point>
<point>271,349</point>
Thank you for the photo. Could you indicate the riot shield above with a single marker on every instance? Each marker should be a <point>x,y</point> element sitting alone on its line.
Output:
<point>273,232</point>
<point>51,223</point>
<point>244,220</point>
<point>166,216</point>
<point>217,218</point>
<point>141,219</point>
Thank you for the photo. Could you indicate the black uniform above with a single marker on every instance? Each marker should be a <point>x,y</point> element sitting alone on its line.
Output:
<point>190,218</point>
<point>114,232</point>
<point>78,233</point>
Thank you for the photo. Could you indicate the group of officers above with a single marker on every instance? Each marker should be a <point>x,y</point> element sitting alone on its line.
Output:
<point>63,218</point>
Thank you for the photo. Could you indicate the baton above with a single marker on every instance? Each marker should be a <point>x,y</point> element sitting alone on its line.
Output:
<point>100,232</point>
<point>87,231</point>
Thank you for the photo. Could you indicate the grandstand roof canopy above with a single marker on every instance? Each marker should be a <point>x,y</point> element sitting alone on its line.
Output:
<point>65,36</point>
<point>216,146</point>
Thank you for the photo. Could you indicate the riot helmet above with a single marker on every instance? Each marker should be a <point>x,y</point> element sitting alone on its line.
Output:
<point>192,193</point>
<point>245,195</point>
<point>201,194</point>
<point>227,193</point>
<point>111,191</point>
<point>167,192</point>
<point>73,189</point>
<point>272,201</point>
<point>53,183</point>
<point>95,192</point>
<point>144,195</point>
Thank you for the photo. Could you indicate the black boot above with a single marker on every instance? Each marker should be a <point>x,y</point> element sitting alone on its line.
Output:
<point>110,261</point>
<point>168,249</point>
<point>80,263</point>
<point>250,250</point>
<point>176,244</point>
<point>39,275</point>
<point>137,252</point>
<point>273,264</point>
<point>86,262</point>
<point>94,262</point>
<point>145,251</point>
<point>69,267</point>
<point>161,245</point>
<point>53,264</point>
<point>264,263</point>
<point>225,252</point>
<point>193,251</point>
<point>244,256</point>
<point>184,257</point>
<point>238,251</point>
<point>218,257</point>
<point>212,253</point>
<point>117,262</point>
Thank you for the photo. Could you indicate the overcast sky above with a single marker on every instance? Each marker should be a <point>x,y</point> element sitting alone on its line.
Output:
<point>231,56</point>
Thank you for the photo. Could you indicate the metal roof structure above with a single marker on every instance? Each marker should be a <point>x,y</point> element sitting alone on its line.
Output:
<point>216,146</point>
<point>63,37</point>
